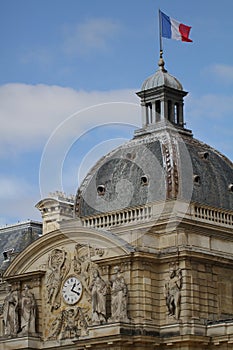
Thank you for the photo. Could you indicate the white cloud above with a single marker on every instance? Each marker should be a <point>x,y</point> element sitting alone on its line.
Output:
<point>29,114</point>
<point>92,35</point>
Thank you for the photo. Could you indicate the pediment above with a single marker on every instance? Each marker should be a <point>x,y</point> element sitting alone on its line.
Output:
<point>70,234</point>
<point>62,273</point>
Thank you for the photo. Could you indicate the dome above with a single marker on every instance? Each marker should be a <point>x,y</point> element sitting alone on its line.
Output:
<point>157,167</point>
<point>161,78</point>
<point>162,162</point>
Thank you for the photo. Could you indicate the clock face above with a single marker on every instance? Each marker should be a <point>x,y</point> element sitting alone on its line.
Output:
<point>72,290</point>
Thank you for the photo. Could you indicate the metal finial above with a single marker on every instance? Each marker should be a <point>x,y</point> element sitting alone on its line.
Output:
<point>161,62</point>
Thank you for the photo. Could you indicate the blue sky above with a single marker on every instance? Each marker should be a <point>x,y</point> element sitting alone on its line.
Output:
<point>69,73</point>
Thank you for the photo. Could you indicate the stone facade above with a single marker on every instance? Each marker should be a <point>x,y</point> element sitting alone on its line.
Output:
<point>155,274</point>
<point>173,286</point>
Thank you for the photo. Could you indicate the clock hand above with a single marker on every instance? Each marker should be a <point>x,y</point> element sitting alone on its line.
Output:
<point>74,291</point>
<point>74,285</point>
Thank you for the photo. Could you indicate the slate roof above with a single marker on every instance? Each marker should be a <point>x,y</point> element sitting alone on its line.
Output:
<point>172,164</point>
<point>15,238</point>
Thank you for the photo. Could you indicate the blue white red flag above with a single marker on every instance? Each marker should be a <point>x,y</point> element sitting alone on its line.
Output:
<point>172,29</point>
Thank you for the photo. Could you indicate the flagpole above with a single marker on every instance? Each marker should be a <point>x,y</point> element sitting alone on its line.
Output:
<point>160,35</point>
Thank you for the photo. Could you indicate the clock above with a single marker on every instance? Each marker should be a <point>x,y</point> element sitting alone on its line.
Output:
<point>72,290</point>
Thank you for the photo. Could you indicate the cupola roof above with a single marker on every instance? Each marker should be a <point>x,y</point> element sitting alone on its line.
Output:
<point>161,78</point>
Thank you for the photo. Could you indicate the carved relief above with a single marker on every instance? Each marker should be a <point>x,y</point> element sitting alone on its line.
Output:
<point>68,324</point>
<point>58,265</point>
<point>119,298</point>
<point>98,289</point>
<point>171,169</point>
<point>19,312</point>
<point>75,291</point>
<point>172,291</point>
<point>11,312</point>
<point>28,311</point>
<point>84,266</point>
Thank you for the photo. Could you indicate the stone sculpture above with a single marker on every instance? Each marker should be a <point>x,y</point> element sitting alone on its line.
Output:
<point>69,324</point>
<point>10,312</point>
<point>28,311</point>
<point>58,267</point>
<point>119,298</point>
<point>172,291</point>
<point>84,266</point>
<point>98,292</point>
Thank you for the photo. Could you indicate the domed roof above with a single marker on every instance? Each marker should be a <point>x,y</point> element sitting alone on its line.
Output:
<point>156,167</point>
<point>162,162</point>
<point>161,78</point>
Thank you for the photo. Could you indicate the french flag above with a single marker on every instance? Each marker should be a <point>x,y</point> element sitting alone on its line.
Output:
<point>172,29</point>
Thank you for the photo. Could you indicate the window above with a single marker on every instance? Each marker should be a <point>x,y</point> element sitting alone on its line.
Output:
<point>144,180</point>
<point>101,190</point>
<point>196,179</point>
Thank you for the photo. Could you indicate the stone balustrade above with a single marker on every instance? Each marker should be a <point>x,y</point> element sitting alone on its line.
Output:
<point>150,212</point>
<point>125,216</point>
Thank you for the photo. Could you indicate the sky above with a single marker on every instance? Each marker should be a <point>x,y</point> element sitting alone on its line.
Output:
<point>69,70</point>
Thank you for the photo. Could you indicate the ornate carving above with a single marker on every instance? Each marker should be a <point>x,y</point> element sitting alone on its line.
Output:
<point>11,312</point>
<point>85,252</point>
<point>170,159</point>
<point>172,291</point>
<point>56,327</point>
<point>119,298</point>
<point>98,289</point>
<point>68,324</point>
<point>19,312</point>
<point>84,266</point>
<point>58,265</point>
<point>28,311</point>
